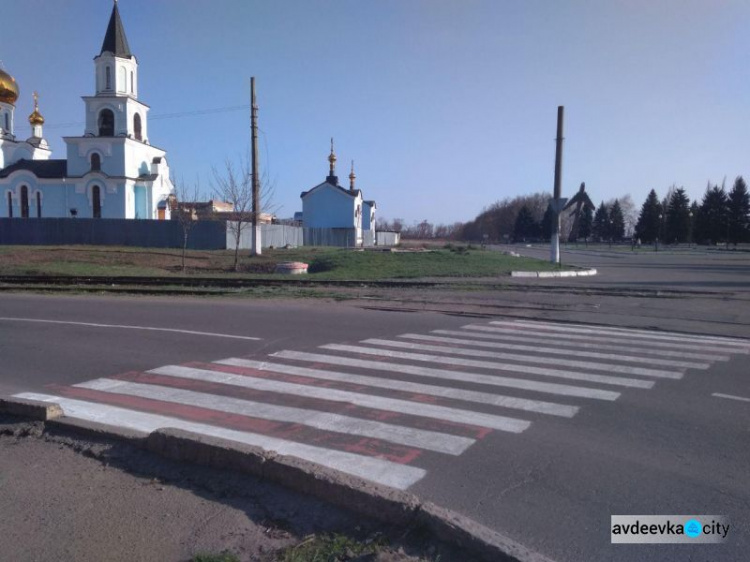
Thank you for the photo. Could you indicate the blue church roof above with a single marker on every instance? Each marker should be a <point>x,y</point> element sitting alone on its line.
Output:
<point>49,169</point>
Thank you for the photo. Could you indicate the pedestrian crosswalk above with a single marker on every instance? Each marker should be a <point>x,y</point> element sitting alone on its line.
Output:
<point>381,407</point>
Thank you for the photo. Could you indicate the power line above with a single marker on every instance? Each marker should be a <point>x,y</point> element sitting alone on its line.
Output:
<point>156,117</point>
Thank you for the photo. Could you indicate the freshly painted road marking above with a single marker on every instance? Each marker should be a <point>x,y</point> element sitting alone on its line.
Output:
<point>583,328</point>
<point>580,345</point>
<point>572,375</point>
<point>557,351</point>
<point>377,470</point>
<point>122,327</point>
<point>605,339</point>
<point>730,397</point>
<point>537,406</point>
<point>430,440</point>
<point>554,361</point>
<point>701,340</point>
<point>364,400</point>
<point>550,388</point>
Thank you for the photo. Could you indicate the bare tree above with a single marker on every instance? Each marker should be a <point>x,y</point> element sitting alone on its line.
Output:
<point>183,209</point>
<point>234,185</point>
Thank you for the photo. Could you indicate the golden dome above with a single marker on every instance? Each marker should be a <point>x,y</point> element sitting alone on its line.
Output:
<point>332,156</point>
<point>8,88</point>
<point>36,118</point>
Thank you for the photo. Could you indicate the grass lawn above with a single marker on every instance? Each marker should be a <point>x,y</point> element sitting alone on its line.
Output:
<point>325,263</point>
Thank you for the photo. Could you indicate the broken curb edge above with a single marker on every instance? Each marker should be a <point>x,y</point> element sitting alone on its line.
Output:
<point>349,492</point>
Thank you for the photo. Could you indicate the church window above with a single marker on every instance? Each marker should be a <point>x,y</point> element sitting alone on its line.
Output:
<point>96,201</point>
<point>132,83</point>
<point>106,123</point>
<point>137,126</point>
<point>108,79</point>
<point>96,162</point>
<point>122,82</point>
<point>7,123</point>
<point>24,202</point>
<point>10,206</point>
<point>38,205</point>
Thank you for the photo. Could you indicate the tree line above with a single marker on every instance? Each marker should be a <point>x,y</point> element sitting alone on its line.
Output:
<point>719,217</point>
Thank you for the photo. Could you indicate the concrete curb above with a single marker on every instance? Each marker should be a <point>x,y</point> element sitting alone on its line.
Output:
<point>34,409</point>
<point>548,274</point>
<point>385,504</point>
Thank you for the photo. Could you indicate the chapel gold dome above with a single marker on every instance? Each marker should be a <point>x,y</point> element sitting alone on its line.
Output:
<point>36,118</point>
<point>8,88</point>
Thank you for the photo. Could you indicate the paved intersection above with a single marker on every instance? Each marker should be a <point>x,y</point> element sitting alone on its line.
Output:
<point>382,409</point>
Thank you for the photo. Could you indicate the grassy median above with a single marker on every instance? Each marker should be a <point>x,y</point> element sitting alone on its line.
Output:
<point>446,260</point>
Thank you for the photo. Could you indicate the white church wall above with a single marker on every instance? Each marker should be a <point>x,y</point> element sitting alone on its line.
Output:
<point>329,208</point>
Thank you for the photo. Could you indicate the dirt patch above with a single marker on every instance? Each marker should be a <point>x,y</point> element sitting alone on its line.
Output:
<point>66,498</point>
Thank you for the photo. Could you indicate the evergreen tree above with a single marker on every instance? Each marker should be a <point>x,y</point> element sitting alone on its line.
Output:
<point>586,223</point>
<point>601,223</point>
<point>677,220</point>
<point>525,226</point>
<point>547,220</point>
<point>648,226</point>
<point>616,222</point>
<point>711,225</point>
<point>739,212</point>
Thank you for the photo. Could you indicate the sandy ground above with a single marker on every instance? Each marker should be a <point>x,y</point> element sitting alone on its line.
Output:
<point>68,499</point>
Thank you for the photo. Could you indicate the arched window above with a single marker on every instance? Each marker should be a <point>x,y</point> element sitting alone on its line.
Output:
<point>10,206</point>
<point>96,201</point>
<point>132,85</point>
<point>137,126</point>
<point>106,123</point>
<point>122,85</point>
<point>24,202</point>
<point>96,162</point>
<point>108,78</point>
<point>7,123</point>
<point>38,205</point>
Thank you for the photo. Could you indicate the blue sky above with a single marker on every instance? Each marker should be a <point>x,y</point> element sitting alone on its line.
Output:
<point>445,106</point>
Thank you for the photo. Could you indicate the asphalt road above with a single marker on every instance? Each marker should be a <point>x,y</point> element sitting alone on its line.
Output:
<point>673,448</point>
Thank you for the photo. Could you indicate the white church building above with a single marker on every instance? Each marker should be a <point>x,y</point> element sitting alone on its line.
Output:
<point>328,205</point>
<point>111,171</point>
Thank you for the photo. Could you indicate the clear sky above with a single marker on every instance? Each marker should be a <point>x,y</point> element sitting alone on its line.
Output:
<point>445,105</point>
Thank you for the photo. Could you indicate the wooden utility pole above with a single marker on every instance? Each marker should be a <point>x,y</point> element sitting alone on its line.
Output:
<point>256,242</point>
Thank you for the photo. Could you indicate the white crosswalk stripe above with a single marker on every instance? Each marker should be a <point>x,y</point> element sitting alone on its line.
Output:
<point>575,345</point>
<point>537,406</point>
<point>624,332</point>
<point>384,472</point>
<point>556,351</point>
<point>445,374</point>
<point>366,400</point>
<point>613,338</point>
<point>559,373</point>
<point>626,369</point>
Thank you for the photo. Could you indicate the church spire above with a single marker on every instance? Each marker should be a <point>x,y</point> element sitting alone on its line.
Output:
<point>352,177</point>
<point>114,40</point>
<point>332,171</point>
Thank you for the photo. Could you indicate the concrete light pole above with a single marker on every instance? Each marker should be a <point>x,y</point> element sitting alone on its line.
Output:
<point>557,202</point>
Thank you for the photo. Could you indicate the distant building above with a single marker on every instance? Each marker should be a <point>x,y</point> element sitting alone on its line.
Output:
<point>111,171</point>
<point>328,205</point>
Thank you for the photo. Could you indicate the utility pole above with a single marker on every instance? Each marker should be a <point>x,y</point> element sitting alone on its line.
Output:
<point>557,202</point>
<point>256,242</point>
